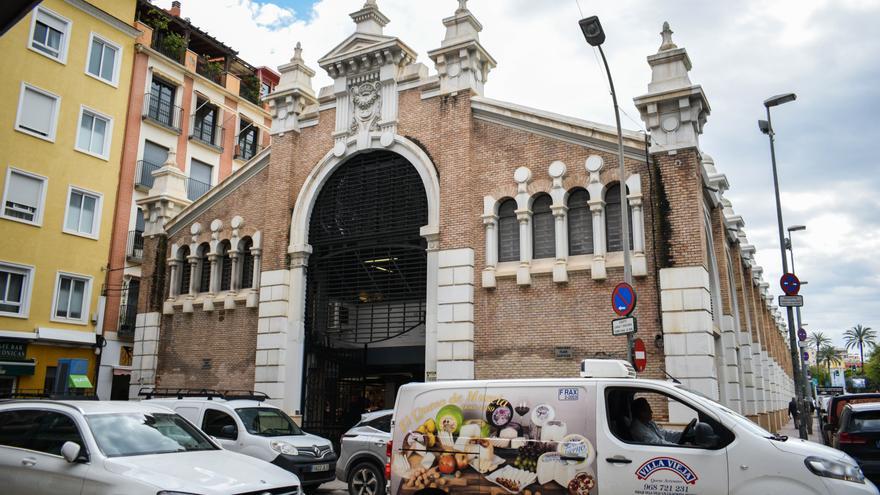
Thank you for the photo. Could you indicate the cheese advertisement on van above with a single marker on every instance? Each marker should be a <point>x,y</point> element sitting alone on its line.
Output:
<point>530,440</point>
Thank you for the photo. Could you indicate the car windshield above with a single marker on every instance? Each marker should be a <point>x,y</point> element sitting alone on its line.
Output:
<point>267,422</point>
<point>129,434</point>
<point>739,418</point>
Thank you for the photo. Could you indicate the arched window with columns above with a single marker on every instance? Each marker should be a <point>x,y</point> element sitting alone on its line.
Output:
<point>613,223</point>
<point>580,223</point>
<point>543,233</point>
<point>246,262</point>
<point>508,231</point>
<point>185,271</point>
<point>225,265</point>
<point>204,268</point>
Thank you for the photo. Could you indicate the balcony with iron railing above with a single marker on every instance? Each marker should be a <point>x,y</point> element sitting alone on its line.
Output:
<point>204,132</point>
<point>134,246</point>
<point>212,70</point>
<point>195,188</point>
<point>143,178</point>
<point>162,112</point>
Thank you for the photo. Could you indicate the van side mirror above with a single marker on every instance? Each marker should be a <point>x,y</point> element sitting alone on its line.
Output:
<point>70,451</point>
<point>229,432</point>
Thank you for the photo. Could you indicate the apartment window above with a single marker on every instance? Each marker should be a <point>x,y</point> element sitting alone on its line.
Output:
<point>14,289</point>
<point>543,231</point>
<point>37,112</point>
<point>199,183</point>
<point>265,89</point>
<point>247,140</point>
<point>103,62</point>
<point>93,136</point>
<point>161,106</point>
<point>49,34</point>
<point>205,121</point>
<point>71,297</point>
<point>83,213</point>
<point>23,197</point>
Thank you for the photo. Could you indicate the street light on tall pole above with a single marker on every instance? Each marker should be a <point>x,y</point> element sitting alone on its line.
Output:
<point>595,36</point>
<point>790,245</point>
<point>766,127</point>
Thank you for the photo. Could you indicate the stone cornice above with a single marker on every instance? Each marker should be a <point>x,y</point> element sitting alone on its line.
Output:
<point>569,129</point>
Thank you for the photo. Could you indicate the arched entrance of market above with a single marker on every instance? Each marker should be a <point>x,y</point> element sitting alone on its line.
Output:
<point>365,290</point>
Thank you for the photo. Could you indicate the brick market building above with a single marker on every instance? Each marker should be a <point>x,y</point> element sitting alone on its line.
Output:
<point>402,226</point>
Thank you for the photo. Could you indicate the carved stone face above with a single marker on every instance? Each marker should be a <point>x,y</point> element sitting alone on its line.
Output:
<point>365,95</point>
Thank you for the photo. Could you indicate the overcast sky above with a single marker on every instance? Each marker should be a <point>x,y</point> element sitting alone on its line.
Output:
<point>742,52</point>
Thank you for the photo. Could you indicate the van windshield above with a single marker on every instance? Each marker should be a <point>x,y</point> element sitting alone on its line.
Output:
<point>267,422</point>
<point>128,434</point>
<point>739,418</point>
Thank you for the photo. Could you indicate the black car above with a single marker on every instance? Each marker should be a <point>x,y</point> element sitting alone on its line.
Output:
<point>859,436</point>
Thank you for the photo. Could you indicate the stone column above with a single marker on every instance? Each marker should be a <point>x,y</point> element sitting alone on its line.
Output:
<point>560,268</point>
<point>193,261</point>
<point>490,223</point>
<point>432,312</point>
<point>235,283</point>
<point>597,208</point>
<point>174,286</point>
<point>253,297</point>
<point>455,315</point>
<point>639,262</point>
<point>523,273</point>
<point>213,283</point>
<point>730,347</point>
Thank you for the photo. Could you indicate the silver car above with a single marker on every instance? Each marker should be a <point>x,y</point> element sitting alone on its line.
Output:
<point>364,453</point>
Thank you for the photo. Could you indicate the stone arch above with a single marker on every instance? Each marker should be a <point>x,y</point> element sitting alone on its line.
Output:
<point>302,211</point>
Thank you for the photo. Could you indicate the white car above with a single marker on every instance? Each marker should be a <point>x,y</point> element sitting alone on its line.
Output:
<point>121,448</point>
<point>254,428</point>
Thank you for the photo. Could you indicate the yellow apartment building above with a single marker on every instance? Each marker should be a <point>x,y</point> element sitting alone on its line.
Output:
<point>64,86</point>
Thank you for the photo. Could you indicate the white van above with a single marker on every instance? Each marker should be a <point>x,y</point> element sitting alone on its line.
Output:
<point>249,426</point>
<point>605,433</point>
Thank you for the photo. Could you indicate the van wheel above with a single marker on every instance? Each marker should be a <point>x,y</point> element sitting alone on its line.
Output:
<point>365,479</point>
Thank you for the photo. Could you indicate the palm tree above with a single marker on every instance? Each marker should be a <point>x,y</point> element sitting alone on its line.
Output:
<point>819,340</point>
<point>828,355</point>
<point>861,337</point>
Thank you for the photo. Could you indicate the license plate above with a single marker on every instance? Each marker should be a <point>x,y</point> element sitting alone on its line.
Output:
<point>317,468</point>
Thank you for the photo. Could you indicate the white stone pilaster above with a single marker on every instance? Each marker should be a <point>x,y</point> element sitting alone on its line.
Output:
<point>275,359</point>
<point>730,346</point>
<point>597,209</point>
<point>689,343</point>
<point>455,315</point>
<point>490,225</point>
<point>747,374</point>
<point>146,352</point>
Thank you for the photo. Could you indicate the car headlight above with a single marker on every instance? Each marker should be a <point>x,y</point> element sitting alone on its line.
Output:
<point>283,447</point>
<point>834,469</point>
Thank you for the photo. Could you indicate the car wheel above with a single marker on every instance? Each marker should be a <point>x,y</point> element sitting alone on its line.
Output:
<point>365,479</point>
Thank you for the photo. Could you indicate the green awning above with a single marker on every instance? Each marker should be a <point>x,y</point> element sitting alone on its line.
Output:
<point>79,381</point>
<point>17,368</point>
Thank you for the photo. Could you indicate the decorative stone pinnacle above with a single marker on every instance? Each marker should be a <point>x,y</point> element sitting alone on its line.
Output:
<point>462,6</point>
<point>370,3</point>
<point>667,38</point>
<point>297,53</point>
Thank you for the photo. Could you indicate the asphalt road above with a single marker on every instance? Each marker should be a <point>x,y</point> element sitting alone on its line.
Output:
<point>333,488</point>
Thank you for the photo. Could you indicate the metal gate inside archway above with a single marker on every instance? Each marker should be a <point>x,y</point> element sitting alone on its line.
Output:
<point>365,299</point>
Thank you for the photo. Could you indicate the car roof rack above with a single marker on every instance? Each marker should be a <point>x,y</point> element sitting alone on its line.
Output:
<point>205,393</point>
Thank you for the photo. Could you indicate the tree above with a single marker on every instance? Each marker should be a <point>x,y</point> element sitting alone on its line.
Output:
<point>860,337</point>
<point>819,339</point>
<point>829,355</point>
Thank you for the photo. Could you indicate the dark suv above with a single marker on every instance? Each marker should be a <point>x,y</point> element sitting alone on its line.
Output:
<point>859,436</point>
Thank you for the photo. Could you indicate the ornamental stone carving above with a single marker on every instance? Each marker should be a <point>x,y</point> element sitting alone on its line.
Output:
<point>367,100</point>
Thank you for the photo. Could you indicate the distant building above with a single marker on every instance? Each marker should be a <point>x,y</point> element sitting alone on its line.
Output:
<point>193,103</point>
<point>403,226</point>
<point>65,87</point>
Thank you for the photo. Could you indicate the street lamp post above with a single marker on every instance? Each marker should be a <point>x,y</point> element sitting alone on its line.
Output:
<point>800,324</point>
<point>595,36</point>
<point>766,127</point>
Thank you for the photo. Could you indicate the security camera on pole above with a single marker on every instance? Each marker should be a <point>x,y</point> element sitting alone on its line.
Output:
<point>595,36</point>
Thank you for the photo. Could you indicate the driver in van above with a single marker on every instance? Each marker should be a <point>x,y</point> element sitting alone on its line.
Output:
<point>644,430</point>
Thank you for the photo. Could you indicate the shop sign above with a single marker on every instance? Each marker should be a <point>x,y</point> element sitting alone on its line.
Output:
<point>13,351</point>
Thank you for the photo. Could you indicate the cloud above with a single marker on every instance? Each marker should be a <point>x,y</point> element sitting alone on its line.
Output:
<point>742,52</point>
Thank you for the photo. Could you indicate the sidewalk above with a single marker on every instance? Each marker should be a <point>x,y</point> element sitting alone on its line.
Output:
<point>791,432</point>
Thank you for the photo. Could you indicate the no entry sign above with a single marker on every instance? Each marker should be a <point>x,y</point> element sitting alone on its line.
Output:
<point>790,284</point>
<point>640,355</point>
<point>802,334</point>
<point>623,299</point>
